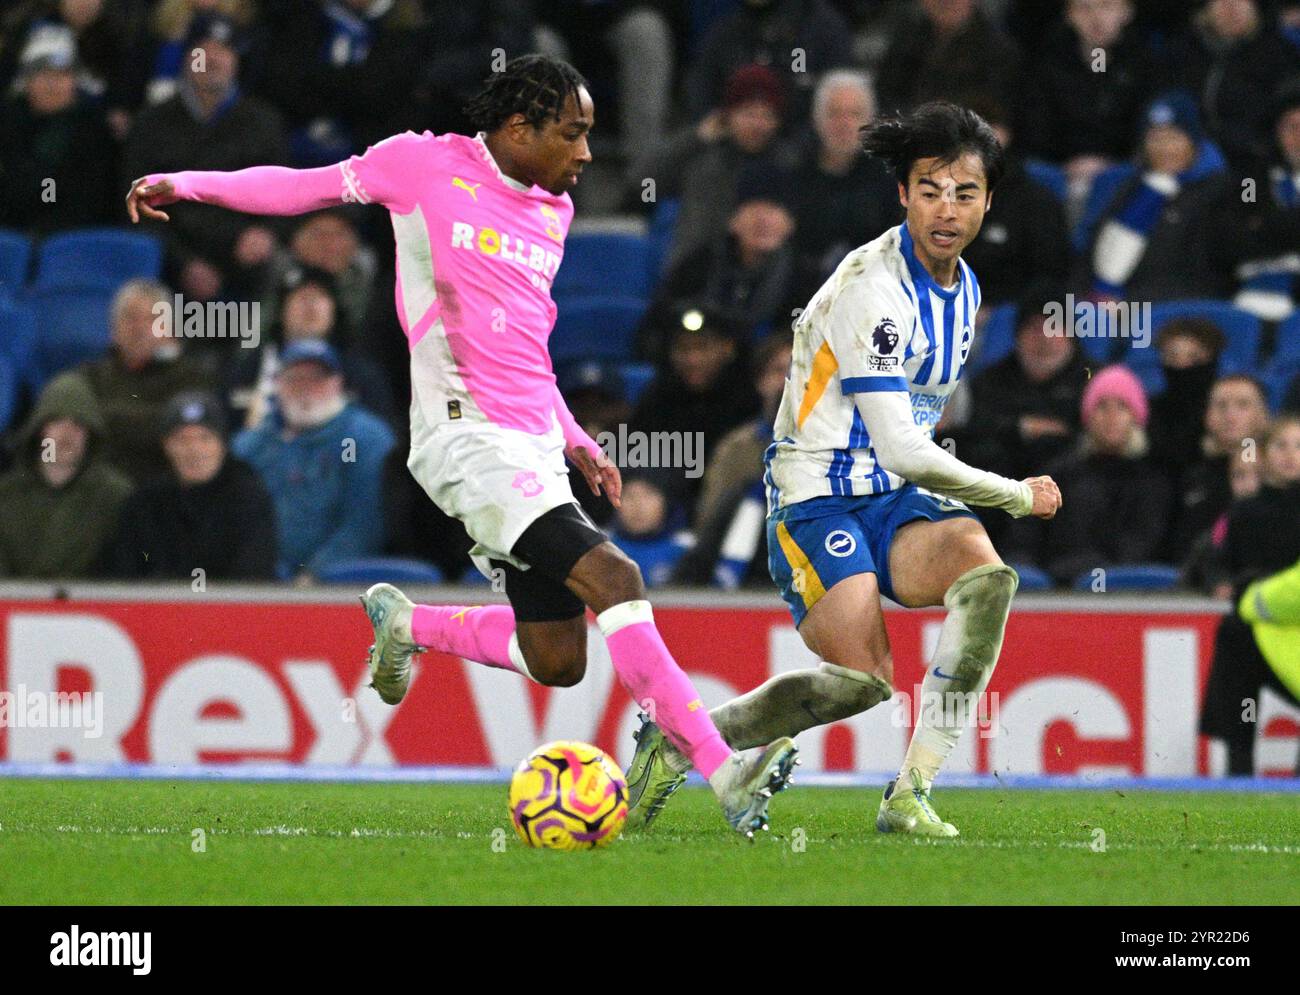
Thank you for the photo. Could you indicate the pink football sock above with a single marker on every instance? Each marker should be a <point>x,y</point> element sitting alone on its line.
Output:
<point>482,633</point>
<point>657,684</point>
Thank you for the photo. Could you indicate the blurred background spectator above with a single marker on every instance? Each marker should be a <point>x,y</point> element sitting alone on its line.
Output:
<point>309,310</point>
<point>1189,351</point>
<point>1263,529</point>
<point>57,157</point>
<point>1235,419</point>
<point>839,197</point>
<point>746,274</point>
<point>1024,240</point>
<point>701,392</point>
<point>948,50</point>
<point>649,526</point>
<point>799,39</point>
<point>1232,56</point>
<point>1117,496</point>
<point>1025,409</point>
<point>211,515</point>
<point>105,35</point>
<point>1258,217</point>
<point>173,24</point>
<point>1151,240</point>
<point>321,458</point>
<point>211,123</point>
<point>143,370</point>
<point>700,165</point>
<point>341,72</point>
<point>59,503</point>
<point>626,49</point>
<point>731,513</point>
<point>1090,79</point>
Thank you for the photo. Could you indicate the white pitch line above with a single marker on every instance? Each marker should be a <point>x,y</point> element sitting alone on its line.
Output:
<point>366,832</point>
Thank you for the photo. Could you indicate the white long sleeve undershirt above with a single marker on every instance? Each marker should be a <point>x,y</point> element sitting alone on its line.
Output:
<point>902,448</point>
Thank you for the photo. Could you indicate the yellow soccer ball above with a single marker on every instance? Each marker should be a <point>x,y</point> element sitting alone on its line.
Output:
<point>568,796</point>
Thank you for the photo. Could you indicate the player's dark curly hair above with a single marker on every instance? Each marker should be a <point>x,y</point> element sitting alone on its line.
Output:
<point>535,86</point>
<point>938,129</point>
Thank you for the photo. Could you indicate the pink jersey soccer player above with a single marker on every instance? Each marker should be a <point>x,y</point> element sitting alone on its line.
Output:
<point>480,225</point>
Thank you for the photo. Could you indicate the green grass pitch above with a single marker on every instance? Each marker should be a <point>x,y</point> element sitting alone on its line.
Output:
<point>134,842</point>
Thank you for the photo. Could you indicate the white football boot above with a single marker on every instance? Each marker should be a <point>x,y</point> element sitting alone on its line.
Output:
<point>390,611</point>
<point>746,782</point>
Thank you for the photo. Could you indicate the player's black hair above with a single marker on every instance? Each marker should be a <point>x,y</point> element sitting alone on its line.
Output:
<point>938,129</point>
<point>535,86</point>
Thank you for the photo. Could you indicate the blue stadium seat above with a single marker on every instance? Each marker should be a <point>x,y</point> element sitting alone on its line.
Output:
<point>373,569</point>
<point>663,223</point>
<point>1031,578</point>
<point>15,258</point>
<point>1132,577</point>
<point>1278,375</point>
<point>1240,328</point>
<point>18,340</point>
<point>9,388</point>
<point>996,340</point>
<point>102,258</point>
<point>474,578</point>
<point>605,263</point>
<point>72,325</point>
<point>1049,175</point>
<point>1288,339</point>
<point>596,328</point>
<point>1104,186</point>
<point>636,378</point>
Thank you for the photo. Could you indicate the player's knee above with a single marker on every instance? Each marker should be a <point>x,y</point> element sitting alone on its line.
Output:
<point>566,674</point>
<point>558,670</point>
<point>985,590</point>
<point>883,668</point>
<point>848,692</point>
<point>612,578</point>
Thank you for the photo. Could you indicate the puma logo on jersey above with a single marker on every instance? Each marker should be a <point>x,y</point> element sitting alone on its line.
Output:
<point>469,188</point>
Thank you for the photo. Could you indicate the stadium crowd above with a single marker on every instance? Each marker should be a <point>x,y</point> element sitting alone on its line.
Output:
<point>1154,157</point>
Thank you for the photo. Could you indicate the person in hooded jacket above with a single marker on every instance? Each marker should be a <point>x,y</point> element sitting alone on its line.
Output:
<point>60,501</point>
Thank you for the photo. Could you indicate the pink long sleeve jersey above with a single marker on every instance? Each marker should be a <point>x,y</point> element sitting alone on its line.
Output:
<point>476,254</point>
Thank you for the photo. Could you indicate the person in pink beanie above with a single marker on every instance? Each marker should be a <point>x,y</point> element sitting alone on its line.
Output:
<point>1117,496</point>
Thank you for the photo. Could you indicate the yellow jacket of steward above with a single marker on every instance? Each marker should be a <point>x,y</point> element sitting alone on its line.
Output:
<point>1272,607</point>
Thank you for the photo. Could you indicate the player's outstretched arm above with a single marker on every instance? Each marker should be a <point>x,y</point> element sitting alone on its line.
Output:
<point>276,190</point>
<point>388,173</point>
<point>902,448</point>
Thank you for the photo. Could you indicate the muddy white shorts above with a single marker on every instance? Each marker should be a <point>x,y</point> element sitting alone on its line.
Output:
<point>496,481</point>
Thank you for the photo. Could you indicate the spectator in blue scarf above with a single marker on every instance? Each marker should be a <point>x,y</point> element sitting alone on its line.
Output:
<point>1147,231</point>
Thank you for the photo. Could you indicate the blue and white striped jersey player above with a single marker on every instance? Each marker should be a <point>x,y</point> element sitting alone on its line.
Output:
<point>862,501</point>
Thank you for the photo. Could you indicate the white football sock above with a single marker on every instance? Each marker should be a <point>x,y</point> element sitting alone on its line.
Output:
<point>978,604</point>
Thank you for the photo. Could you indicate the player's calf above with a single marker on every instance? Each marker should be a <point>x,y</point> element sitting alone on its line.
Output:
<point>787,704</point>
<point>978,604</point>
